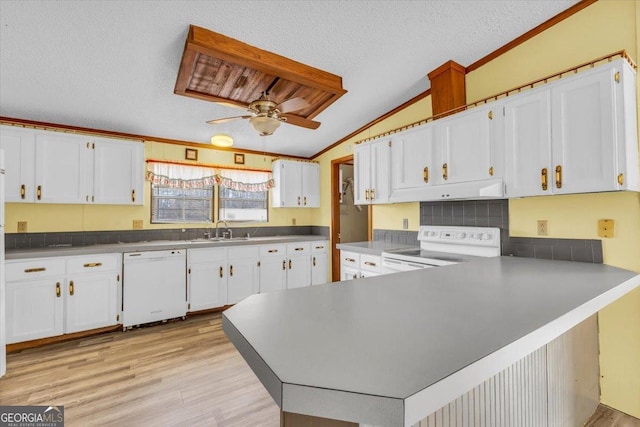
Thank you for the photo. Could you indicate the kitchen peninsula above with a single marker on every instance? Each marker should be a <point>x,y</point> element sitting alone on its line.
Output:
<point>390,350</point>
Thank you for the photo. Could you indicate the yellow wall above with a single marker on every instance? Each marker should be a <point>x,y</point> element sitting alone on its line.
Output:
<point>52,218</point>
<point>600,29</point>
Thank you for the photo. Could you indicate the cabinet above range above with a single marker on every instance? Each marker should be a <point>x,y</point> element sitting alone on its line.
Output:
<point>55,167</point>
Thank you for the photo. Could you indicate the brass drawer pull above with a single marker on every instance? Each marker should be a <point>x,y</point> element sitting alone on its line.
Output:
<point>544,178</point>
<point>71,290</point>
<point>299,249</point>
<point>58,292</point>
<point>319,247</point>
<point>350,259</point>
<point>372,264</point>
<point>272,251</point>
<point>93,264</point>
<point>34,270</point>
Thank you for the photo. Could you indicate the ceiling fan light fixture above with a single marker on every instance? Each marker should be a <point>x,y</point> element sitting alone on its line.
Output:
<point>222,140</point>
<point>264,125</point>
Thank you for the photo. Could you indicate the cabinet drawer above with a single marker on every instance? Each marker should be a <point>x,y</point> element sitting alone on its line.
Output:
<point>236,252</point>
<point>34,269</point>
<point>273,250</point>
<point>320,247</point>
<point>370,263</point>
<point>204,255</point>
<point>94,263</point>
<point>350,258</point>
<point>298,248</point>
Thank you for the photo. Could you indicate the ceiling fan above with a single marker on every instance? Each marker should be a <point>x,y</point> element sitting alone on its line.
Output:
<point>266,115</point>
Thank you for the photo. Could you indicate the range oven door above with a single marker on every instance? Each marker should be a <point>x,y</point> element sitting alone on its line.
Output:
<point>392,265</point>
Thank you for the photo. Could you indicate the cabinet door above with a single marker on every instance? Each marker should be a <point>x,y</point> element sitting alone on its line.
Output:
<point>528,144</point>
<point>118,172</point>
<point>207,285</point>
<point>381,171</point>
<point>19,150</point>
<point>411,160</point>
<point>273,274</point>
<point>362,173</point>
<point>290,184</point>
<point>310,185</point>
<point>583,133</point>
<point>242,279</point>
<point>298,271</point>
<point>63,168</point>
<point>91,301</point>
<point>349,273</point>
<point>34,309</point>
<point>319,269</point>
<point>465,146</point>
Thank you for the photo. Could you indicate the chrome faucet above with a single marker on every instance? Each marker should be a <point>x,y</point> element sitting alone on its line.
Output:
<point>225,224</point>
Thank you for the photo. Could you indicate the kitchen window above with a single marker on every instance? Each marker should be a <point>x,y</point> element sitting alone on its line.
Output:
<point>181,205</point>
<point>243,195</point>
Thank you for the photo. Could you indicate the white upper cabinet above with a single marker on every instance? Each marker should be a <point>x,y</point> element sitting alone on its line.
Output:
<point>465,145</point>
<point>19,147</point>
<point>118,172</point>
<point>54,167</point>
<point>297,184</point>
<point>528,151</point>
<point>412,163</point>
<point>372,172</point>
<point>63,168</point>
<point>575,135</point>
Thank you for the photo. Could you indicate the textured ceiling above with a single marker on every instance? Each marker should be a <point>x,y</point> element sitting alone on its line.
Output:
<point>112,65</point>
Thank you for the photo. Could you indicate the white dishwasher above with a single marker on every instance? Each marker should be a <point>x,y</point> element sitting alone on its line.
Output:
<point>154,286</point>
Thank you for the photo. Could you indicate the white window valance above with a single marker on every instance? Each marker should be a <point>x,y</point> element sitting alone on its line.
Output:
<point>187,176</point>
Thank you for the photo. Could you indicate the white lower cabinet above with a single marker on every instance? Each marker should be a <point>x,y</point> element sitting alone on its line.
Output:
<point>298,265</point>
<point>242,269</point>
<point>319,262</point>
<point>273,267</point>
<point>53,296</point>
<point>207,278</point>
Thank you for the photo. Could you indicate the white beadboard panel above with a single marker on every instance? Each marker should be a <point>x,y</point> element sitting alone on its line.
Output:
<point>555,386</point>
<point>573,377</point>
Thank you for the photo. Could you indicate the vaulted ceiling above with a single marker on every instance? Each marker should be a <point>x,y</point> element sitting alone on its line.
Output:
<point>112,65</point>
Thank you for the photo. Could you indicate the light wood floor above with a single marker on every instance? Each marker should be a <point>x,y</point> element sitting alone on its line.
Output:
<point>180,373</point>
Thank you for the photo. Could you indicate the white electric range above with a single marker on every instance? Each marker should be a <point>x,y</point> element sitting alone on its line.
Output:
<point>444,245</point>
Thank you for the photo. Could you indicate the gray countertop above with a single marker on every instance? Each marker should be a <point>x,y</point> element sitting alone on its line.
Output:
<point>151,246</point>
<point>371,350</point>
<point>373,248</point>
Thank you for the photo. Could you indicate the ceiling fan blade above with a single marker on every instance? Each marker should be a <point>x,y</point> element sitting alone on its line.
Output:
<point>300,121</point>
<point>232,104</point>
<point>291,105</point>
<point>228,119</point>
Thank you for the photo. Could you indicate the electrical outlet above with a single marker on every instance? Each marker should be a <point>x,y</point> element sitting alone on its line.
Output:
<point>22,226</point>
<point>543,227</point>
<point>293,221</point>
<point>137,224</point>
<point>405,223</point>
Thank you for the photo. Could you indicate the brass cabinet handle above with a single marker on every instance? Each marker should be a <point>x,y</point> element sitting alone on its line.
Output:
<point>621,178</point>
<point>93,264</point>
<point>445,171</point>
<point>372,264</point>
<point>284,264</point>
<point>34,270</point>
<point>299,249</point>
<point>314,261</point>
<point>39,192</point>
<point>558,176</point>
<point>355,275</point>
<point>272,251</point>
<point>490,115</point>
<point>259,263</point>
<point>425,174</point>
<point>543,178</point>
<point>319,247</point>
<point>373,194</point>
<point>93,198</point>
<point>23,191</point>
<point>366,194</point>
<point>231,270</point>
<point>71,288</point>
<point>298,200</point>
<point>305,200</point>
<point>86,198</point>
<point>221,271</point>
<point>491,171</point>
<point>133,195</point>
<point>289,264</point>
<point>350,259</point>
<point>88,145</point>
<point>58,292</point>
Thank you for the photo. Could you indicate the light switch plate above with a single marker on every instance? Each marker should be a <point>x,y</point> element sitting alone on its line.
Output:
<point>137,224</point>
<point>22,226</point>
<point>605,228</point>
<point>543,227</point>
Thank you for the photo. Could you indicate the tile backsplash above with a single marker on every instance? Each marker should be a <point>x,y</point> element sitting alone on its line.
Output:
<point>495,213</point>
<point>90,238</point>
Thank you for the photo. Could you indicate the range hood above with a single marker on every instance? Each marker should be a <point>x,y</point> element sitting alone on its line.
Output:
<point>482,189</point>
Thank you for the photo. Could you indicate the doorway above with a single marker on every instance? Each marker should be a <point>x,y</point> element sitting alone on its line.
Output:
<point>349,222</point>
